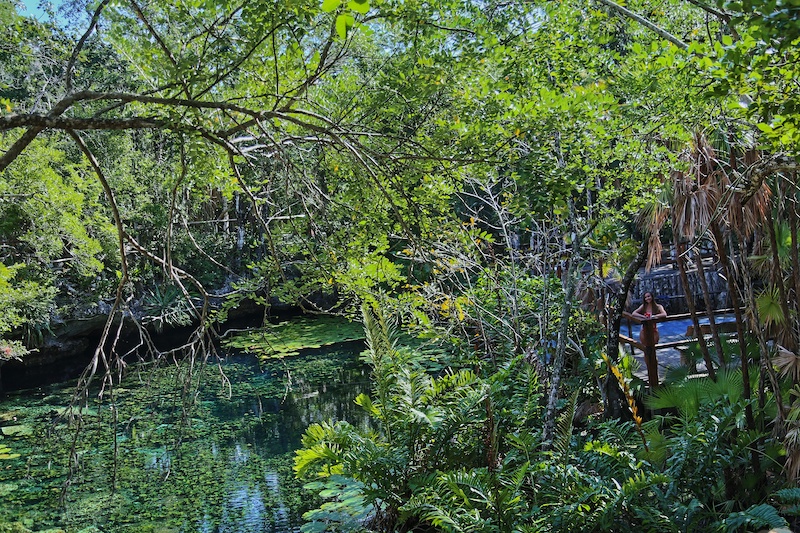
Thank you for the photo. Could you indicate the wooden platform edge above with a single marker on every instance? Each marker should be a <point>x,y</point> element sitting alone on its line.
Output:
<point>671,344</point>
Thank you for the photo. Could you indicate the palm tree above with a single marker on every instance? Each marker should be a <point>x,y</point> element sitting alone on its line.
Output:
<point>687,205</point>
<point>680,249</point>
<point>696,197</point>
<point>705,202</point>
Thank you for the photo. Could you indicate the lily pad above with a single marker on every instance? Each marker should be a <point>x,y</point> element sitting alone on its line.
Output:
<point>20,430</point>
<point>5,453</point>
<point>291,337</point>
<point>7,488</point>
<point>86,411</point>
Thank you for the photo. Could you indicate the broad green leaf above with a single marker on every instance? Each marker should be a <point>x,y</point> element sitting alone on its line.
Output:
<point>359,7</point>
<point>343,22</point>
<point>331,5</point>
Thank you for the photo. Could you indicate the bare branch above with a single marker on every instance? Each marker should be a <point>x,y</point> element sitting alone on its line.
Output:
<point>752,178</point>
<point>154,33</point>
<point>99,354</point>
<point>722,16</point>
<point>79,47</point>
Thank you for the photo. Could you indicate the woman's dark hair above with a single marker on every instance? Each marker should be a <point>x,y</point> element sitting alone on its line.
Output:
<point>652,295</point>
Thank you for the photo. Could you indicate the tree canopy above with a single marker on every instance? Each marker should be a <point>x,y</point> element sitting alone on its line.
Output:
<point>477,169</point>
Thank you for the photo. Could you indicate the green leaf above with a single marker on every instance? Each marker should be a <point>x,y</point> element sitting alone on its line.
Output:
<point>313,527</point>
<point>361,7</point>
<point>364,401</point>
<point>343,22</point>
<point>331,5</point>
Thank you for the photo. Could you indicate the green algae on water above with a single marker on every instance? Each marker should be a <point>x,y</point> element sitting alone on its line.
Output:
<point>291,337</point>
<point>221,462</point>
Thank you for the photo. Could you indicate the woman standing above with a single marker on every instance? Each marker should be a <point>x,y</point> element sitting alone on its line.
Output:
<point>647,313</point>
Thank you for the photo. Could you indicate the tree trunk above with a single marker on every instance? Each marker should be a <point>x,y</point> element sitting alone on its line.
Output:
<point>616,405</point>
<point>712,321</point>
<point>792,207</point>
<point>561,345</point>
<point>730,275</point>
<point>679,250</point>
<point>561,349</point>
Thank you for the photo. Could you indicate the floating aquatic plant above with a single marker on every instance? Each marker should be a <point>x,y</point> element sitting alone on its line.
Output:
<point>5,453</point>
<point>19,430</point>
<point>291,337</point>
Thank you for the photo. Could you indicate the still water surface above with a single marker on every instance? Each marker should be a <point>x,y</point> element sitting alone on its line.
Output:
<point>215,457</point>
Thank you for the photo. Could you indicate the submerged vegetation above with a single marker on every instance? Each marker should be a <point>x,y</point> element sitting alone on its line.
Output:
<point>481,181</point>
<point>148,461</point>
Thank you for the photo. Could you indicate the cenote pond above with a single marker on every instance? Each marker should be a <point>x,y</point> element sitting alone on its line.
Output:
<point>155,456</point>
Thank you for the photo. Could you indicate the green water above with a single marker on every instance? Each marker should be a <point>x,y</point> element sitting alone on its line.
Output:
<point>215,457</point>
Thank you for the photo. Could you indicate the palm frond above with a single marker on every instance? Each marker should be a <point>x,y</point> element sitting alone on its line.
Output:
<point>788,363</point>
<point>769,306</point>
<point>683,396</point>
<point>728,385</point>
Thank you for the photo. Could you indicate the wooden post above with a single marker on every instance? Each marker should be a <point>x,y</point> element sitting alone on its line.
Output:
<point>648,339</point>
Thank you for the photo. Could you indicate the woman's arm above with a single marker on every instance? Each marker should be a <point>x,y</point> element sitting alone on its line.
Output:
<point>660,312</point>
<point>639,312</point>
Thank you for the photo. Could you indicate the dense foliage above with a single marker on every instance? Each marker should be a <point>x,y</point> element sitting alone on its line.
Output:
<point>492,174</point>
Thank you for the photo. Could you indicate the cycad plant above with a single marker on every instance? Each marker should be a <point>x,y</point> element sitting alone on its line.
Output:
<point>703,443</point>
<point>423,424</point>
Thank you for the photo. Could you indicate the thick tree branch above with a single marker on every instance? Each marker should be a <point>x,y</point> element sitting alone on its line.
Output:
<point>752,178</point>
<point>722,16</point>
<point>41,122</point>
<point>17,148</point>
<point>646,23</point>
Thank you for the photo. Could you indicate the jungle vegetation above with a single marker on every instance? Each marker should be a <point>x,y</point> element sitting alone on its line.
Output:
<point>454,169</point>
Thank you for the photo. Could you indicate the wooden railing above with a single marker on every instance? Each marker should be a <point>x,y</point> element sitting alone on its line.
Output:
<point>650,348</point>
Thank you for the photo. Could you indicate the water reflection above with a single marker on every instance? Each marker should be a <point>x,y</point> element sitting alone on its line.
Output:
<point>227,471</point>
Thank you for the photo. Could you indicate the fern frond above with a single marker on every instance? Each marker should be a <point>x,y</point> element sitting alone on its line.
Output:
<point>757,516</point>
<point>378,336</point>
<point>436,515</point>
<point>788,496</point>
<point>321,453</point>
<point>564,428</point>
<point>640,482</point>
<point>517,478</point>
